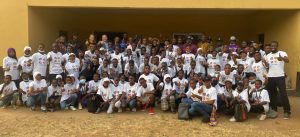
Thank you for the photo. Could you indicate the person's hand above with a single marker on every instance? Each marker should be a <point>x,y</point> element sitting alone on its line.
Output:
<point>280,58</point>
<point>193,95</point>
<point>200,90</point>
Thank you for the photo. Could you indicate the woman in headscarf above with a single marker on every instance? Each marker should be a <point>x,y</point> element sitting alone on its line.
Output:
<point>25,62</point>
<point>37,92</point>
<point>10,65</point>
<point>167,98</point>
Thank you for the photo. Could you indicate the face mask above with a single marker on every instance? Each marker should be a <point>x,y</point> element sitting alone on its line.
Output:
<point>252,81</point>
<point>82,81</point>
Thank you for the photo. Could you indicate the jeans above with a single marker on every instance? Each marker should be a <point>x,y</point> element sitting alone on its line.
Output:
<point>279,82</point>
<point>69,102</point>
<point>10,99</point>
<point>202,108</point>
<point>132,103</point>
<point>35,99</point>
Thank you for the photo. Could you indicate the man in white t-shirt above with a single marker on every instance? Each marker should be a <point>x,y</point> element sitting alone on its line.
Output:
<point>276,76</point>
<point>240,97</point>
<point>8,92</point>
<point>55,60</point>
<point>145,95</point>
<point>208,101</point>
<point>37,92</point>
<point>259,98</point>
<point>39,61</point>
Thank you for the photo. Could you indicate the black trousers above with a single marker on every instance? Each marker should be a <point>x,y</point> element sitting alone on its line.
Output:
<point>274,83</point>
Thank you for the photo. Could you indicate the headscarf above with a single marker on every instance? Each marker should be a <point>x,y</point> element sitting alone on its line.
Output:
<point>9,50</point>
<point>35,74</point>
<point>167,85</point>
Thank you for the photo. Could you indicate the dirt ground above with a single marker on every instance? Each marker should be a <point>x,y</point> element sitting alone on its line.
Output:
<point>25,123</point>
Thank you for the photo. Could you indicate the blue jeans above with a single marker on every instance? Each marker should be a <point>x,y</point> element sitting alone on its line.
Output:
<point>202,108</point>
<point>132,103</point>
<point>69,102</point>
<point>34,100</point>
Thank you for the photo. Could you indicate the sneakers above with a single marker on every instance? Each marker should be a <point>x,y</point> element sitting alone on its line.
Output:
<point>43,108</point>
<point>72,108</point>
<point>79,106</point>
<point>66,108</point>
<point>14,106</point>
<point>262,117</point>
<point>286,116</point>
<point>151,112</point>
<point>98,111</point>
<point>144,107</point>
<point>133,110</point>
<point>232,119</point>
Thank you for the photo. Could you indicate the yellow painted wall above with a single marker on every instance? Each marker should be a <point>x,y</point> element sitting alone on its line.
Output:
<point>85,21</point>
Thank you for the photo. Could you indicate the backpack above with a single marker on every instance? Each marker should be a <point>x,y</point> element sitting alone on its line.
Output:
<point>183,111</point>
<point>240,112</point>
<point>92,105</point>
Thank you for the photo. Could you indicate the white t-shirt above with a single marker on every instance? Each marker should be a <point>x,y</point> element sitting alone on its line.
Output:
<point>260,70</point>
<point>39,63</point>
<point>261,96</point>
<point>244,96</point>
<point>181,88</point>
<point>105,93</point>
<point>68,89</point>
<point>168,88</point>
<point>223,60</point>
<point>194,91</point>
<point>188,57</point>
<point>51,89</point>
<point>210,94</point>
<point>226,92</point>
<point>224,77</point>
<point>115,71</point>
<point>116,90</point>
<point>141,90</point>
<point>131,90</point>
<point>118,57</point>
<point>276,67</point>
<point>12,64</point>
<point>150,78</point>
<point>55,63</point>
<point>73,68</point>
<point>247,64</point>
<point>24,86</point>
<point>38,84</point>
<point>93,86</point>
<point>212,62</point>
<point>10,88</point>
<point>199,61</point>
<point>26,63</point>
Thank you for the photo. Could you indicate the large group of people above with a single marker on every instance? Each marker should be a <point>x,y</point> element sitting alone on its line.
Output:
<point>138,73</point>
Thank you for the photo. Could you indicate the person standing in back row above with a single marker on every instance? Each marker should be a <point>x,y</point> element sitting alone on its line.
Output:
<point>275,61</point>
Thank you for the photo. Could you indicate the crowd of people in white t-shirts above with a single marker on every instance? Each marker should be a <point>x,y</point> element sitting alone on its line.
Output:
<point>136,73</point>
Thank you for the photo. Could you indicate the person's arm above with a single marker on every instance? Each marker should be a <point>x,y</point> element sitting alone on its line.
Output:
<point>209,102</point>
<point>150,92</point>
<point>196,96</point>
<point>283,58</point>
